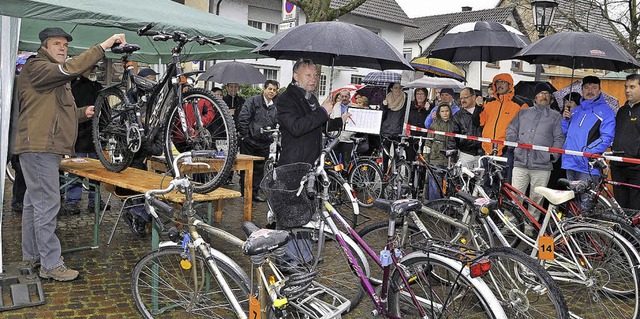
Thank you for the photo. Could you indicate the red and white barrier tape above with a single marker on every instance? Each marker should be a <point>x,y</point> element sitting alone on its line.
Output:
<point>409,128</point>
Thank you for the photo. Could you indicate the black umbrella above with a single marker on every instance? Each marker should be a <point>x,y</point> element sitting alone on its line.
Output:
<point>334,43</point>
<point>233,72</point>
<point>479,41</point>
<point>578,50</point>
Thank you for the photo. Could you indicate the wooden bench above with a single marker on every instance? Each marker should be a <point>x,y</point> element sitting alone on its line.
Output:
<point>243,163</point>
<point>139,181</point>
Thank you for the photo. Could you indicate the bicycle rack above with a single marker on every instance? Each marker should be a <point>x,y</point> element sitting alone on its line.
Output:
<point>21,286</point>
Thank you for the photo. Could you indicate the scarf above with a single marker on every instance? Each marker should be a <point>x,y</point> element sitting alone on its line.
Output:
<point>395,103</point>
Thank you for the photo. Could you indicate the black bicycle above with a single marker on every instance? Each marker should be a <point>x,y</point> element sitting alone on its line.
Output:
<point>137,112</point>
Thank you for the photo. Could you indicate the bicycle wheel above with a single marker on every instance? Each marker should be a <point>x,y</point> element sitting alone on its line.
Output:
<point>443,229</point>
<point>331,263</point>
<point>162,288</point>
<point>622,225</point>
<point>443,290</point>
<point>375,235</point>
<point>114,136</point>
<point>366,180</point>
<point>340,197</point>
<point>523,287</point>
<point>217,133</point>
<point>603,282</point>
<point>403,178</point>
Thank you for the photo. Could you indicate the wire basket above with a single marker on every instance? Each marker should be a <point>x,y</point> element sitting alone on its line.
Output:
<point>281,186</point>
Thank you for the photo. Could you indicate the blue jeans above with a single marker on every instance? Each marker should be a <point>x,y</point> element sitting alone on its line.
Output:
<point>41,206</point>
<point>74,190</point>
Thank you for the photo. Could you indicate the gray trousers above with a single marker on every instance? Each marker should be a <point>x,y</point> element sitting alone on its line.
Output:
<point>532,178</point>
<point>41,206</point>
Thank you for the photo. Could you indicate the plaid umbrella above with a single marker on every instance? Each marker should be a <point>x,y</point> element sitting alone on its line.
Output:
<point>577,87</point>
<point>383,78</point>
<point>437,67</point>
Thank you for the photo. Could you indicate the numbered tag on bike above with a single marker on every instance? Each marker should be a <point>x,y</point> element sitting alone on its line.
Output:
<point>254,308</point>
<point>545,248</point>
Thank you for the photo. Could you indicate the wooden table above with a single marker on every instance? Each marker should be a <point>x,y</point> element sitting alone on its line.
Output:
<point>243,163</point>
<point>138,181</point>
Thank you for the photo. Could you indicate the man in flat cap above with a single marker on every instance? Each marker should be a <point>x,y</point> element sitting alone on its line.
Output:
<point>589,127</point>
<point>47,130</point>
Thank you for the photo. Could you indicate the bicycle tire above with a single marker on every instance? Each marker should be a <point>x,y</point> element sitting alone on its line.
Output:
<point>622,226</point>
<point>340,197</point>
<point>403,177</point>
<point>217,134</point>
<point>523,287</point>
<point>456,296</point>
<point>375,235</point>
<point>334,270</point>
<point>163,265</point>
<point>110,124</point>
<point>366,180</point>
<point>611,285</point>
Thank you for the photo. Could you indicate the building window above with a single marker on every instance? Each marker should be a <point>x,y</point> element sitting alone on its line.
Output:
<point>270,27</point>
<point>255,24</point>
<point>323,85</point>
<point>493,65</point>
<point>356,79</point>
<point>270,74</point>
<point>408,54</point>
<point>516,65</point>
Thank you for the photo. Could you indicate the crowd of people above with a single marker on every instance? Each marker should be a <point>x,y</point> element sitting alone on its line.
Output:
<point>56,97</point>
<point>585,124</point>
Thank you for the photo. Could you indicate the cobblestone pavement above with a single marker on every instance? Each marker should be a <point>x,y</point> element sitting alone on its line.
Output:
<point>103,288</point>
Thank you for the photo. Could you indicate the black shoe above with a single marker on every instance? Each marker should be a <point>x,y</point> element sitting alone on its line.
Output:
<point>92,206</point>
<point>17,208</point>
<point>128,218</point>
<point>139,226</point>
<point>71,209</point>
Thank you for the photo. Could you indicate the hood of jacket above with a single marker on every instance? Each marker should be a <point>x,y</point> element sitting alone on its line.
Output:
<point>504,77</point>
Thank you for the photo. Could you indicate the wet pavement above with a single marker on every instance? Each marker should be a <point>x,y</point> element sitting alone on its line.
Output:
<point>103,289</point>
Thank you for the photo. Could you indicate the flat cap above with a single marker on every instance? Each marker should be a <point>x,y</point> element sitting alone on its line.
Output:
<point>54,32</point>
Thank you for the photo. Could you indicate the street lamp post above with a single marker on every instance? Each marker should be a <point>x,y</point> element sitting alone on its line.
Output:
<point>543,12</point>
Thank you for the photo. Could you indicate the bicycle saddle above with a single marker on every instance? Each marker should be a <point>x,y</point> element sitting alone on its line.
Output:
<point>262,240</point>
<point>478,202</point>
<point>127,48</point>
<point>397,208</point>
<point>555,197</point>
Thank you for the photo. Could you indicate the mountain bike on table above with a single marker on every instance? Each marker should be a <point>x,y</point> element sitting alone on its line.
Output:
<point>185,119</point>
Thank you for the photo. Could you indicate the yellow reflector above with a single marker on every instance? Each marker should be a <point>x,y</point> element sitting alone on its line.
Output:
<point>280,302</point>
<point>185,264</point>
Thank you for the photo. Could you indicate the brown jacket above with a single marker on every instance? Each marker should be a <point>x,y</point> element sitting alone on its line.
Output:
<point>48,121</point>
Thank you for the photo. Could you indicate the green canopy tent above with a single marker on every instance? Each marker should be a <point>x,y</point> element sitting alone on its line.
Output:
<point>86,36</point>
<point>106,17</point>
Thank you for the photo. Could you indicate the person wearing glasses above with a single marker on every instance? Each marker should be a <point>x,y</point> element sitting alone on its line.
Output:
<point>467,122</point>
<point>538,125</point>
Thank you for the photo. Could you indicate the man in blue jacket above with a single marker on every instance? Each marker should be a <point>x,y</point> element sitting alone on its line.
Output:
<point>589,127</point>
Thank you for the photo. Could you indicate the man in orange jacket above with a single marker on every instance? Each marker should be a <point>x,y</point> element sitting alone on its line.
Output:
<point>497,115</point>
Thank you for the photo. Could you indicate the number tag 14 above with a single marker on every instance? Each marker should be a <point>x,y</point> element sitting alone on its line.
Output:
<point>545,248</point>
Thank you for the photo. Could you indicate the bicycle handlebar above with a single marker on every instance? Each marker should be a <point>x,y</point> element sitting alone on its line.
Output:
<point>177,36</point>
<point>493,158</point>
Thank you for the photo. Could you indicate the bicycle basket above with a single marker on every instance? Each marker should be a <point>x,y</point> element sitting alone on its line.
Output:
<point>281,187</point>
